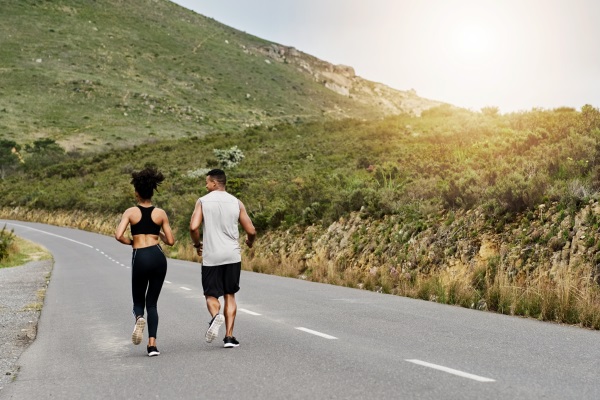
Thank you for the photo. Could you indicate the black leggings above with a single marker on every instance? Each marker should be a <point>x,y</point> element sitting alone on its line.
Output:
<point>148,271</point>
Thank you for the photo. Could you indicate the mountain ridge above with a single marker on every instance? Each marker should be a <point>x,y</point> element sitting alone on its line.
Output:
<point>343,80</point>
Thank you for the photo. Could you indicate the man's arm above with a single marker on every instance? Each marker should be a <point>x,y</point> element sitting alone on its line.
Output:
<point>195,223</point>
<point>247,224</point>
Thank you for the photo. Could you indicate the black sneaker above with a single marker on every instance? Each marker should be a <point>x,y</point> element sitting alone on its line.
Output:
<point>230,341</point>
<point>153,351</point>
<point>213,327</point>
<point>138,330</point>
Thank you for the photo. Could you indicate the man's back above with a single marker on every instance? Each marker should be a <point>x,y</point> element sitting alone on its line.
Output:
<point>220,215</point>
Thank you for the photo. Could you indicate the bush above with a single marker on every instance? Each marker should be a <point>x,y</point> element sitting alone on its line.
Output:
<point>6,240</point>
<point>229,158</point>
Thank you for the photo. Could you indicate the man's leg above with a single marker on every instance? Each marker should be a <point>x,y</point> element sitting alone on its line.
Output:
<point>213,305</point>
<point>230,312</point>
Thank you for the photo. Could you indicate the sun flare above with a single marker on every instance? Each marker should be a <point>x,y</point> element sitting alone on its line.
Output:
<point>469,49</point>
<point>471,40</point>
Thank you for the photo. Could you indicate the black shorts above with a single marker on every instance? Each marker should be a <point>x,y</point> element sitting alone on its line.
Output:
<point>221,279</point>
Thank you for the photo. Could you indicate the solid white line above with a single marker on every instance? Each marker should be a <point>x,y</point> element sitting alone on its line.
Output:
<point>324,335</point>
<point>184,288</point>
<point>53,234</point>
<point>248,311</point>
<point>452,371</point>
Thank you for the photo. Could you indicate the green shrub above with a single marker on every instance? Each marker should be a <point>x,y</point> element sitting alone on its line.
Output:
<point>6,240</point>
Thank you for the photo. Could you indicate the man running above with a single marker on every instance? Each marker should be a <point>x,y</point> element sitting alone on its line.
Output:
<point>218,213</point>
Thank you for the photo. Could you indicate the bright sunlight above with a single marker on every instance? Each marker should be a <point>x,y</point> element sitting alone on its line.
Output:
<point>472,41</point>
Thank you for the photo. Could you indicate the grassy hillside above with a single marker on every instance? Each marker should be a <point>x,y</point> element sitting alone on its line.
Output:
<point>317,172</point>
<point>95,74</point>
<point>490,211</point>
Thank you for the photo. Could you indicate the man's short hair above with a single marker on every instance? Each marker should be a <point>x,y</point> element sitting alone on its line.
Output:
<point>218,175</point>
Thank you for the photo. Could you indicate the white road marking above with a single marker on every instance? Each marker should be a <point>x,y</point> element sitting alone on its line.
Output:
<point>248,311</point>
<point>452,371</point>
<point>323,335</point>
<point>184,288</point>
<point>53,234</point>
<point>168,282</point>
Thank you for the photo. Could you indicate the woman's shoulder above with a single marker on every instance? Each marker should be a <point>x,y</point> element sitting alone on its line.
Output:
<point>131,210</point>
<point>159,211</point>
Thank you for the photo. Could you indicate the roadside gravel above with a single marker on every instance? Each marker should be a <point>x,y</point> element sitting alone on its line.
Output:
<point>22,291</point>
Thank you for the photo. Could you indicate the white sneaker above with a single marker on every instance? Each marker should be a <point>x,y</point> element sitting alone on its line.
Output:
<point>213,328</point>
<point>138,331</point>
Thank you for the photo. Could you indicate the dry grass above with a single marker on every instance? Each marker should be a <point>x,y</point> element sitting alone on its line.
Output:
<point>569,297</point>
<point>23,251</point>
<point>104,223</point>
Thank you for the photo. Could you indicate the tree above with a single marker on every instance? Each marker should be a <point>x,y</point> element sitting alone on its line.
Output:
<point>590,118</point>
<point>43,152</point>
<point>9,156</point>
<point>490,111</point>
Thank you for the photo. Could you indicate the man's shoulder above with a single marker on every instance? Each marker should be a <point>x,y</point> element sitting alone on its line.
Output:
<point>218,195</point>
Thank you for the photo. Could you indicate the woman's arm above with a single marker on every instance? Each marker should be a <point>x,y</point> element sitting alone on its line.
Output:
<point>166,235</point>
<point>122,227</point>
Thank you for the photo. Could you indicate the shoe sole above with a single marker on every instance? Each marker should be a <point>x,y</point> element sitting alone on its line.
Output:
<point>213,329</point>
<point>154,353</point>
<point>138,331</point>
<point>230,345</point>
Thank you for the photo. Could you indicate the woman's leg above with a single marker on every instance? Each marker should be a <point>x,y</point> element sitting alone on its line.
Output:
<point>139,283</point>
<point>157,278</point>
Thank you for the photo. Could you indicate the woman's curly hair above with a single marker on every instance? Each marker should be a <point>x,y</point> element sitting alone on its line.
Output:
<point>146,181</point>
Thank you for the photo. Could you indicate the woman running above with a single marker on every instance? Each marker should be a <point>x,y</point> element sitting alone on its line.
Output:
<point>149,264</point>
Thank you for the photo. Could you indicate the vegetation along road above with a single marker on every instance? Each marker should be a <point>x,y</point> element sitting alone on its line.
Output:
<point>298,340</point>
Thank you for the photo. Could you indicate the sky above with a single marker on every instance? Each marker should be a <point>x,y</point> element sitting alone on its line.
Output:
<point>512,54</point>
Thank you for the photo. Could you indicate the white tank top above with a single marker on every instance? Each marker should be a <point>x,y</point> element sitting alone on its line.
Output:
<point>220,234</point>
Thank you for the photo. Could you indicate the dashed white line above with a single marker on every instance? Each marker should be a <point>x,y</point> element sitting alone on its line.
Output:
<point>168,282</point>
<point>248,311</point>
<point>323,335</point>
<point>452,371</point>
<point>184,288</point>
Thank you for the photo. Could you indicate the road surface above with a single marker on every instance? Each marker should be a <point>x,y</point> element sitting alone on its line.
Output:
<point>299,340</point>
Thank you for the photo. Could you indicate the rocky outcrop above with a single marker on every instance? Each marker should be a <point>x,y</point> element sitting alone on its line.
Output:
<point>344,81</point>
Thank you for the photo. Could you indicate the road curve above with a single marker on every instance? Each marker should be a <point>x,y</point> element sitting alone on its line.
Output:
<point>298,340</point>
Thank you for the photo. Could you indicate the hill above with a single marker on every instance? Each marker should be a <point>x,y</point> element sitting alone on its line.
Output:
<point>488,211</point>
<point>96,74</point>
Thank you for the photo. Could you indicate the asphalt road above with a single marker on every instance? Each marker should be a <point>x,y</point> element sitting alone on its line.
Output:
<point>298,340</point>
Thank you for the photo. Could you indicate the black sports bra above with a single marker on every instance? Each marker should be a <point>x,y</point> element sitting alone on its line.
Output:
<point>145,226</point>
